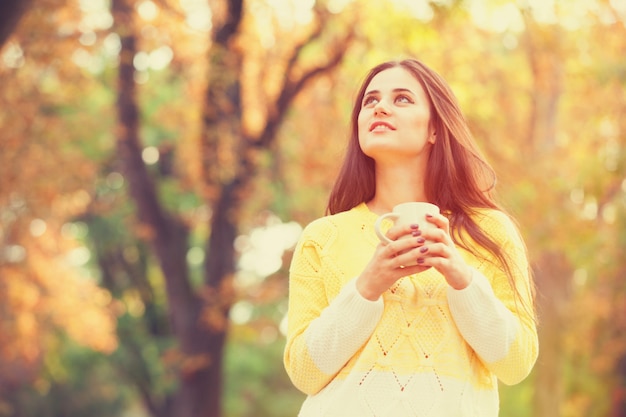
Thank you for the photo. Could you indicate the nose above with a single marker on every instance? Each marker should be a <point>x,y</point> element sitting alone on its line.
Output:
<point>380,108</point>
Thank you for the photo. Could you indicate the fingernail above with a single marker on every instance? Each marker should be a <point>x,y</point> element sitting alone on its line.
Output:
<point>420,260</point>
<point>421,240</point>
<point>416,233</point>
<point>424,249</point>
<point>414,226</point>
<point>429,215</point>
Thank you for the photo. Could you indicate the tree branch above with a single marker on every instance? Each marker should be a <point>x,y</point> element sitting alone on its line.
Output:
<point>163,4</point>
<point>11,12</point>
<point>294,84</point>
<point>233,18</point>
<point>315,34</point>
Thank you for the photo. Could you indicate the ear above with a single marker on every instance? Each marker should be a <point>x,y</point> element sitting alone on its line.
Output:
<point>432,137</point>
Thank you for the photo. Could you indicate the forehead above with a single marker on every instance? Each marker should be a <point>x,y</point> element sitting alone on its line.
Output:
<point>392,79</point>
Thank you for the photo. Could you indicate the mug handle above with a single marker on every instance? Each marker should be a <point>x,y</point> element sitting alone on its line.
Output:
<point>378,223</point>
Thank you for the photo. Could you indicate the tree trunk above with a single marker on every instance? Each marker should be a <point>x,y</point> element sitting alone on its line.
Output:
<point>543,47</point>
<point>11,12</point>
<point>200,321</point>
<point>553,276</point>
<point>552,272</point>
<point>225,182</point>
<point>166,234</point>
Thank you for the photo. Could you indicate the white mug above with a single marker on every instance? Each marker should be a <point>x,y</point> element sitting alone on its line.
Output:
<point>406,214</point>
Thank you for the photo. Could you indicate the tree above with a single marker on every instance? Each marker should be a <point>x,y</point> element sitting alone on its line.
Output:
<point>552,270</point>
<point>46,303</point>
<point>199,319</point>
<point>11,12</point>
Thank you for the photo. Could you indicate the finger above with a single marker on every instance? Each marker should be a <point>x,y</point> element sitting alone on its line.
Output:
<point>433,235</point>
<point>432,250</point>
<point>396,232</point>
<point>413,269</point>
<point>388,250</point>
<point>407,262</point>
<point>430,262</point>
<point>438,220</point>
<point>390,253</point>
<point>435,254</point>
<point>401,262</point>
<point>456,272</point>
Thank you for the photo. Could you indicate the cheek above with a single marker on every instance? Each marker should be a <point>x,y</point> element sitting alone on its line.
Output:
<point>362,125</point>
<point>422,122</point>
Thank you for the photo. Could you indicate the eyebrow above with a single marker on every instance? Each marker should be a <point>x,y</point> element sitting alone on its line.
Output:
<point>395,90</point>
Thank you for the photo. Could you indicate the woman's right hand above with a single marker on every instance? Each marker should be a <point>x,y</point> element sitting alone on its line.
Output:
<point>391,261</point>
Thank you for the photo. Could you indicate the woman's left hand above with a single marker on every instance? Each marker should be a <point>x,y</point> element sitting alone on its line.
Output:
<point>440,253</point>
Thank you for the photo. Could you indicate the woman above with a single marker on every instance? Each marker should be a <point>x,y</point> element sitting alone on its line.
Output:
<point>370,336</point>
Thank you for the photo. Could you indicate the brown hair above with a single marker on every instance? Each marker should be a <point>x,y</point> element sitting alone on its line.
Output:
<point>458,179</point>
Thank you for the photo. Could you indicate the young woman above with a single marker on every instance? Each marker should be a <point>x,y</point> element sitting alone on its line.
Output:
<point>369,335</point>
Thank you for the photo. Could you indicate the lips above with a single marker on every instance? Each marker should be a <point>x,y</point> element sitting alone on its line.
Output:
<point>380,126</point>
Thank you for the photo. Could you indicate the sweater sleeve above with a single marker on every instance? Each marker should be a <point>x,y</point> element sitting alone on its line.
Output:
<point>322,335</point>
<point>495,319</point>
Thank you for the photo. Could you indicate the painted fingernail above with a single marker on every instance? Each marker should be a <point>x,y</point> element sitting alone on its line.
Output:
<point>414,226</point>
<point>420,260</point>
<point>429,215</point>
<point>416,233</point>
<point>421,240</point>
<point>424,249</point>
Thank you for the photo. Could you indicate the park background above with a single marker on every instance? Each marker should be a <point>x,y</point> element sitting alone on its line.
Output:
<point>159,158</point>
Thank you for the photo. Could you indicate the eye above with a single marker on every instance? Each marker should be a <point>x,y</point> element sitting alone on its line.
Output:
<point>369,101</point>
<point>402,98</point>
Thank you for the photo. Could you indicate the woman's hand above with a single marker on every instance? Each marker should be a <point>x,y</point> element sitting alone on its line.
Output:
<point>392,261</point>
<point>442,253</point>
<point>411,251</point>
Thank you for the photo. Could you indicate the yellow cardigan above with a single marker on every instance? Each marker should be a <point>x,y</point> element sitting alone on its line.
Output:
<point>422,349</point>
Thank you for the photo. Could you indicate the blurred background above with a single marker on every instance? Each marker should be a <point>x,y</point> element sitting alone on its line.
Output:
<point>159,158</point>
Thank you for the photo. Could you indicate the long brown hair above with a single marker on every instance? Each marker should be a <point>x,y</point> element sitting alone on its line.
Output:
<point>458,179</point>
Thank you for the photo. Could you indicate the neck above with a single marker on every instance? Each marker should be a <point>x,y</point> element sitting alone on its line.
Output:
<point>397,184</point>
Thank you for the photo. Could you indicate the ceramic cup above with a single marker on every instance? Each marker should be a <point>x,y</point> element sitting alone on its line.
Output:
<point>406,214</point>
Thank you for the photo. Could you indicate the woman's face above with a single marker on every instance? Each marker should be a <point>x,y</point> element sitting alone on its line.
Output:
<point>394,120</point>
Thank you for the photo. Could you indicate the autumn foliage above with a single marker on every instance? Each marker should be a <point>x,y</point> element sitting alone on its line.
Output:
<point>153,152</point>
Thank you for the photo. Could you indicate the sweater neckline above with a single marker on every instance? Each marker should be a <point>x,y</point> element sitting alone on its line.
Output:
<point>365,210</point>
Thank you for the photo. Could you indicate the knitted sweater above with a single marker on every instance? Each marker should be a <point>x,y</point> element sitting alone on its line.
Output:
<point>423,348</point>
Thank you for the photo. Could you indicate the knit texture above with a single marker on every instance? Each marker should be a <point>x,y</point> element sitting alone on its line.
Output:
<point>422,349</point>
